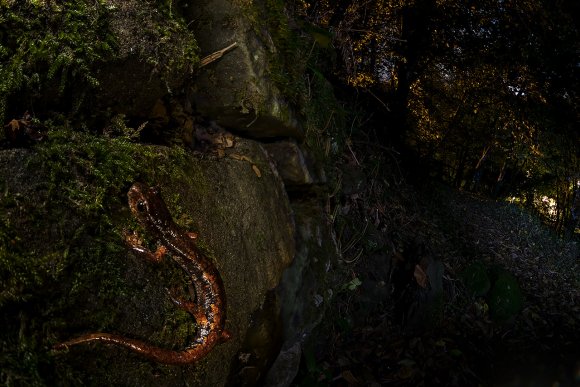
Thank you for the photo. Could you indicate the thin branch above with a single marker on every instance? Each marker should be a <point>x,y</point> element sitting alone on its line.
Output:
<point>216,55</point>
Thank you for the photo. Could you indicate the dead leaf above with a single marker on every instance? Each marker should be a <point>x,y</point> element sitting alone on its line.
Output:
<point>229,141</point>
<point>256,170</point>
<point>239,157</point>
<point>420,276</point>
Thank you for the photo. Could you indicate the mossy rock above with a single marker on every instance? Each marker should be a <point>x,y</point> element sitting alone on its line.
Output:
<point>476,279</point>
<point>505,298</point>
<point>65,270</point>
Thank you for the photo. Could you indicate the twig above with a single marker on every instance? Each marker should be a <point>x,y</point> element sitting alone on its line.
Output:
<point>381,102</point>
<point>216,55</point>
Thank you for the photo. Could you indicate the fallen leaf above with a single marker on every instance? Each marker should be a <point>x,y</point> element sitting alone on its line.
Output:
<point>420,276</point>
<point>239,157</point>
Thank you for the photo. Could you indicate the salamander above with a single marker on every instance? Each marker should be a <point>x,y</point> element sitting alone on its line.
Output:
<point>209,309</point>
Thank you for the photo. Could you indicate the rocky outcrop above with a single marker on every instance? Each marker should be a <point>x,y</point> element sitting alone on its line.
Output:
<point>237,90</point>
<point>63,210</point>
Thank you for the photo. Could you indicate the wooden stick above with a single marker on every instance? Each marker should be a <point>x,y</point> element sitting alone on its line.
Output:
<point>216,55</point>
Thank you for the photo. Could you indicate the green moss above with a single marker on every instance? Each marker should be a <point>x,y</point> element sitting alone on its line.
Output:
<point>294,60</point>
<point>45,46</point>
<point>288,58</point>
<point>159,36</point>
<point>90,173</point>
<point>81,174</point>
<point>51,52</point>
<point>63,265</point>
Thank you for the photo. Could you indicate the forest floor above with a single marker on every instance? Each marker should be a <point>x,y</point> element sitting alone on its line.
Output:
<point>463,343</point>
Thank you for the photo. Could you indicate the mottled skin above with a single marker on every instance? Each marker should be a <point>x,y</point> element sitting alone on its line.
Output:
<point>209,309</point>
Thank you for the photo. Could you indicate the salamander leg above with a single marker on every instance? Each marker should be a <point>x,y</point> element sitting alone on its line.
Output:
<point>135,243</point>
<point>189,306</point>
<point>226,335</point>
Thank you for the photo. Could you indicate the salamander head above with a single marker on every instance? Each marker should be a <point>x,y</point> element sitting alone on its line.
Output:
<point>146,204</point>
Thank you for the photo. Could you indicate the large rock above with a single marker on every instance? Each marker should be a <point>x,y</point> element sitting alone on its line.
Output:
<point>65,270</point>
<point>237,91</point>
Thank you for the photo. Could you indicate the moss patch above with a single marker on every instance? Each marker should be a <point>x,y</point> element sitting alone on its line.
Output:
<point>157,33</point>
<point>45,48</point>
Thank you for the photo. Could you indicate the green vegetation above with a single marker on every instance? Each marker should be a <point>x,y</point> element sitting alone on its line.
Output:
<point>325,117</point>
<point>505,296</point>
<point>287,59</point>
<point>81,174</point>
<point>45,48</point>
<point>500,289</point>
<point>157,34</point>
<point>51,54</point>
